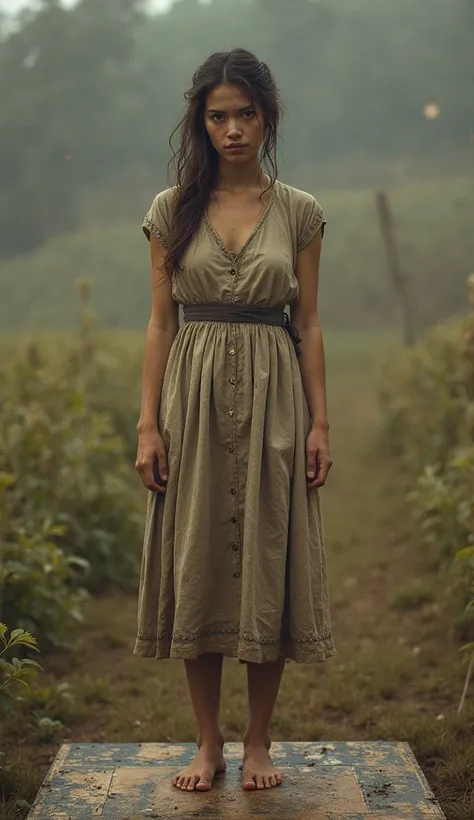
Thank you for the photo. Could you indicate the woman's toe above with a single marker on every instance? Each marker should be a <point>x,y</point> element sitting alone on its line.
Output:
<point>248,782</point>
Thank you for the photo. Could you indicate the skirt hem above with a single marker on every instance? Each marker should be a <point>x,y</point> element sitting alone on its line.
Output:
<point>235,646</point>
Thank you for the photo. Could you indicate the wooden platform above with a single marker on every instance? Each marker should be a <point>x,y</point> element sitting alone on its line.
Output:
<point>323,781</point>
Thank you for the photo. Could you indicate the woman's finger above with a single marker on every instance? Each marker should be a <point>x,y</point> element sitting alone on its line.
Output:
<point>160,467</point>
<point>324,465</point>
<point>151,483</point>
<point>145,471</point>
<point>311,461</point>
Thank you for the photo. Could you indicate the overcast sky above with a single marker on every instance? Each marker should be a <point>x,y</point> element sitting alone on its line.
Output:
<point>15,5</point>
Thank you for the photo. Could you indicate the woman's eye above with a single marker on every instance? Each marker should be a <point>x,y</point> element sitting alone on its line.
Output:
<point>249,114</point>
<point>217,117</point>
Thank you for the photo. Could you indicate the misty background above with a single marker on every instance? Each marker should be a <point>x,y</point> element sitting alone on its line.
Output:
<point>378,96</point>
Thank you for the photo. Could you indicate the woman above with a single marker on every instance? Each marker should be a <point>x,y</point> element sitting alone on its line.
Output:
<point>233,433</point>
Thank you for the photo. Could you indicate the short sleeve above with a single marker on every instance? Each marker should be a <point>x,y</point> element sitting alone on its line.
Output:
<point>158,219</point>
<point>310,219</point>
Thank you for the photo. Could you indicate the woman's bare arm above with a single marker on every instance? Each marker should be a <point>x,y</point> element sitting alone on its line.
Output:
<point>305,317</point>
<point>162,329</point>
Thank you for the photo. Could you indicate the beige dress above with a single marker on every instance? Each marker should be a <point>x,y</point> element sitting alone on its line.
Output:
<point>233,557</point>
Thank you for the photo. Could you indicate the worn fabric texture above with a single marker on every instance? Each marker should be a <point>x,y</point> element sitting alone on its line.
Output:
<point>234,560</point>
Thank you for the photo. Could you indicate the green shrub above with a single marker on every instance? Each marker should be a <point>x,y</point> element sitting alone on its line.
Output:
<point>70,467</point>
<point>38,585</point>
<point>444,505</point>
<point>428,399</point>
<point>71,507</point>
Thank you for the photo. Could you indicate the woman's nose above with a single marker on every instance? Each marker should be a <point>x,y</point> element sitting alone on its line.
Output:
<point>234,129</point>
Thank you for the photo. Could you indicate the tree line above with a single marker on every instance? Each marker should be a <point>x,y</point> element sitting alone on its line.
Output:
<point>90,94</point>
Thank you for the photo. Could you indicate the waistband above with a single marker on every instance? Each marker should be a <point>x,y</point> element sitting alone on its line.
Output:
<point>252,314</point>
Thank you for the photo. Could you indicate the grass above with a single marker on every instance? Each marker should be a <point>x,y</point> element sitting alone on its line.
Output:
<point>397,675</point>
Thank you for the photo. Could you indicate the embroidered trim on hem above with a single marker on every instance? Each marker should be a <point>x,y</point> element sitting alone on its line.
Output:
<point>242,635</point>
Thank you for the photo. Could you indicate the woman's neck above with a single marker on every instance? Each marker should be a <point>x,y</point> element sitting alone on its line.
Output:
<point>232,177</point>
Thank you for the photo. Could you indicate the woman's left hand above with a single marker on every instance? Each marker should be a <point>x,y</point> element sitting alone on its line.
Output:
<point>318,458</point>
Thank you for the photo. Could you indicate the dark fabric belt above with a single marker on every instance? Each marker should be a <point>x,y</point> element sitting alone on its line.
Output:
<point>253,314</point>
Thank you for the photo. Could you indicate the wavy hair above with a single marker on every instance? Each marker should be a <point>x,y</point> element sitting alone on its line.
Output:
<point>196,160</point>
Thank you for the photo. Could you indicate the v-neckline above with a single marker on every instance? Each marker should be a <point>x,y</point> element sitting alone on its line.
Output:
<point>261,220</point>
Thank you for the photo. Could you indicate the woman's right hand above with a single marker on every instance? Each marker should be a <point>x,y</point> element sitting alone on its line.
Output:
<point>151,448</point>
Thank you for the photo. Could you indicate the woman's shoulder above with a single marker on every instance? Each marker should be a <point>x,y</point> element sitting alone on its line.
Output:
<point>305,214</point>
<point>296,197</point>
<point>158,218</point>
<point>163,200</point>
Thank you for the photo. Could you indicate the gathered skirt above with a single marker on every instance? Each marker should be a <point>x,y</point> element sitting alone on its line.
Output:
<point>234,558</point>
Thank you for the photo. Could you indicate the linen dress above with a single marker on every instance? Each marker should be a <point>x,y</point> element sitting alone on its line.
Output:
<point>233,558</point>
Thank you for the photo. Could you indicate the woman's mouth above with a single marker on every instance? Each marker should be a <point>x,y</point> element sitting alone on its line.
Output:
<point>236,148</point>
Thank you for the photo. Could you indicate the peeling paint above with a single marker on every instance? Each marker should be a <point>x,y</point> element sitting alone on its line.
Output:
<point>322,781</point>
<point>157,751</point>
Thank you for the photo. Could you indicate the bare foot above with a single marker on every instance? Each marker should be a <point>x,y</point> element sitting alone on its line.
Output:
<point>258,771</point>
<point>198,776</point>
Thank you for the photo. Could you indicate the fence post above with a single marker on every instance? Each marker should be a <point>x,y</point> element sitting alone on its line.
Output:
<point>399,279</point>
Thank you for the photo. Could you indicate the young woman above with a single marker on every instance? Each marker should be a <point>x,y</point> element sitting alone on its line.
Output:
<point>233,432</point>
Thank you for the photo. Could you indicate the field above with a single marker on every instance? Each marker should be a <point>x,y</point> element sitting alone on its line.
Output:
<point>397,675</point>
<point>433,220</point>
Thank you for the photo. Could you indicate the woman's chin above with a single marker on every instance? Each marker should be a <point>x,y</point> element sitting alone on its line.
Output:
<point>241,158</point>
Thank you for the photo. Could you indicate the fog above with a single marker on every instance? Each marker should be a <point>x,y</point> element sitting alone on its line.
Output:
<point>378,98</point>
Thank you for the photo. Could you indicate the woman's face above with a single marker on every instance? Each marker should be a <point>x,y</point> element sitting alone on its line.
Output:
<point>234,124</point>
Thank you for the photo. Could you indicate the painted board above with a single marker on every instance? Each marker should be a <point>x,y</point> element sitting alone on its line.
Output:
<point>378,780</point>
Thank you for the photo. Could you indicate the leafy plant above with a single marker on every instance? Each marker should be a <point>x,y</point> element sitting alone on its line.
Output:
<point>17,671</point>
<point>38,582</point>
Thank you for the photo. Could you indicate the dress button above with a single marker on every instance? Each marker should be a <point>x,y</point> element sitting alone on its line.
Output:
<point>232,351</point>
<point>233,272</point>
<point>231,449</point>
<point>237,574</point>
<point>233,491</point>
<point>234,519</point>
<point>232,380</point>
<point>231,413</point>
<point>235,547</point>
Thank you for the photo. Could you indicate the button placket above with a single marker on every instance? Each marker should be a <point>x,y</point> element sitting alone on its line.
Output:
<point>234,273</point>
<point>235,542</point>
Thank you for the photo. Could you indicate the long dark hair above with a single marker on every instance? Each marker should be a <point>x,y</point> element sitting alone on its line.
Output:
<point>196,160</point>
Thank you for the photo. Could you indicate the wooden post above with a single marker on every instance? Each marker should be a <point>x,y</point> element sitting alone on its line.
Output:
<point>399,279</point>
